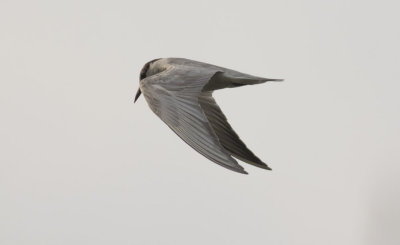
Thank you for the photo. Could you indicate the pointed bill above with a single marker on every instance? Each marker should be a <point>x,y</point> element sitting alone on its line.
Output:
<point>138,93</point>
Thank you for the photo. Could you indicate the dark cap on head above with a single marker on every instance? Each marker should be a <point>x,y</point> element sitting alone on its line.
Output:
<point>143,75</point>
<point>145,69</point>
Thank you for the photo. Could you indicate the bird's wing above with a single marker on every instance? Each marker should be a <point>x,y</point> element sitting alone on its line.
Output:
<point>220,77</point>
<point>225,133</point>
<point>182,97</point>
<point>174,97</point>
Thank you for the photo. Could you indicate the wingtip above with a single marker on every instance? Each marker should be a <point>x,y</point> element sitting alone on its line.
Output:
<point>239,170</point>
<point>264,166</point>
<point>274,80</point>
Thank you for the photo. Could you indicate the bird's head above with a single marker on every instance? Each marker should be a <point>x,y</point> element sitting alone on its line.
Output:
<point>145,72</point>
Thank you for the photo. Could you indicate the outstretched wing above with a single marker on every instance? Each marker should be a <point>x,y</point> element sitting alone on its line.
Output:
<point>174,98</point>
<point>226,135</point>
<point>182,97</point>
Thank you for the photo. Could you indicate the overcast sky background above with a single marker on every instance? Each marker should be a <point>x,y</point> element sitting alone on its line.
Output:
<point>81,164</point>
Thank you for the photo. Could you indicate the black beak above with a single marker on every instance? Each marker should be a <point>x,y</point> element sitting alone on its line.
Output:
<point>137,95</point>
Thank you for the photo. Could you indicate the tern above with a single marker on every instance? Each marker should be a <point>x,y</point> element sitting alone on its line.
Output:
<point>179,91</point>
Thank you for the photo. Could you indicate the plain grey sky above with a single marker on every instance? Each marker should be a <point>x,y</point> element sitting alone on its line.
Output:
<point>75,161</point>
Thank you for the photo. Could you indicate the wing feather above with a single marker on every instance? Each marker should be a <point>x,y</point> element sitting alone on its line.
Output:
<point>181,111</point>
<point>226,135</point>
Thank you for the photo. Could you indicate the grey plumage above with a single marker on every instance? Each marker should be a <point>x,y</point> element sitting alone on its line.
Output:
<point>179,91</point>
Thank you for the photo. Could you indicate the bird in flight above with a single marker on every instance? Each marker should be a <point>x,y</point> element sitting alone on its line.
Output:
<point>179,91</point>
